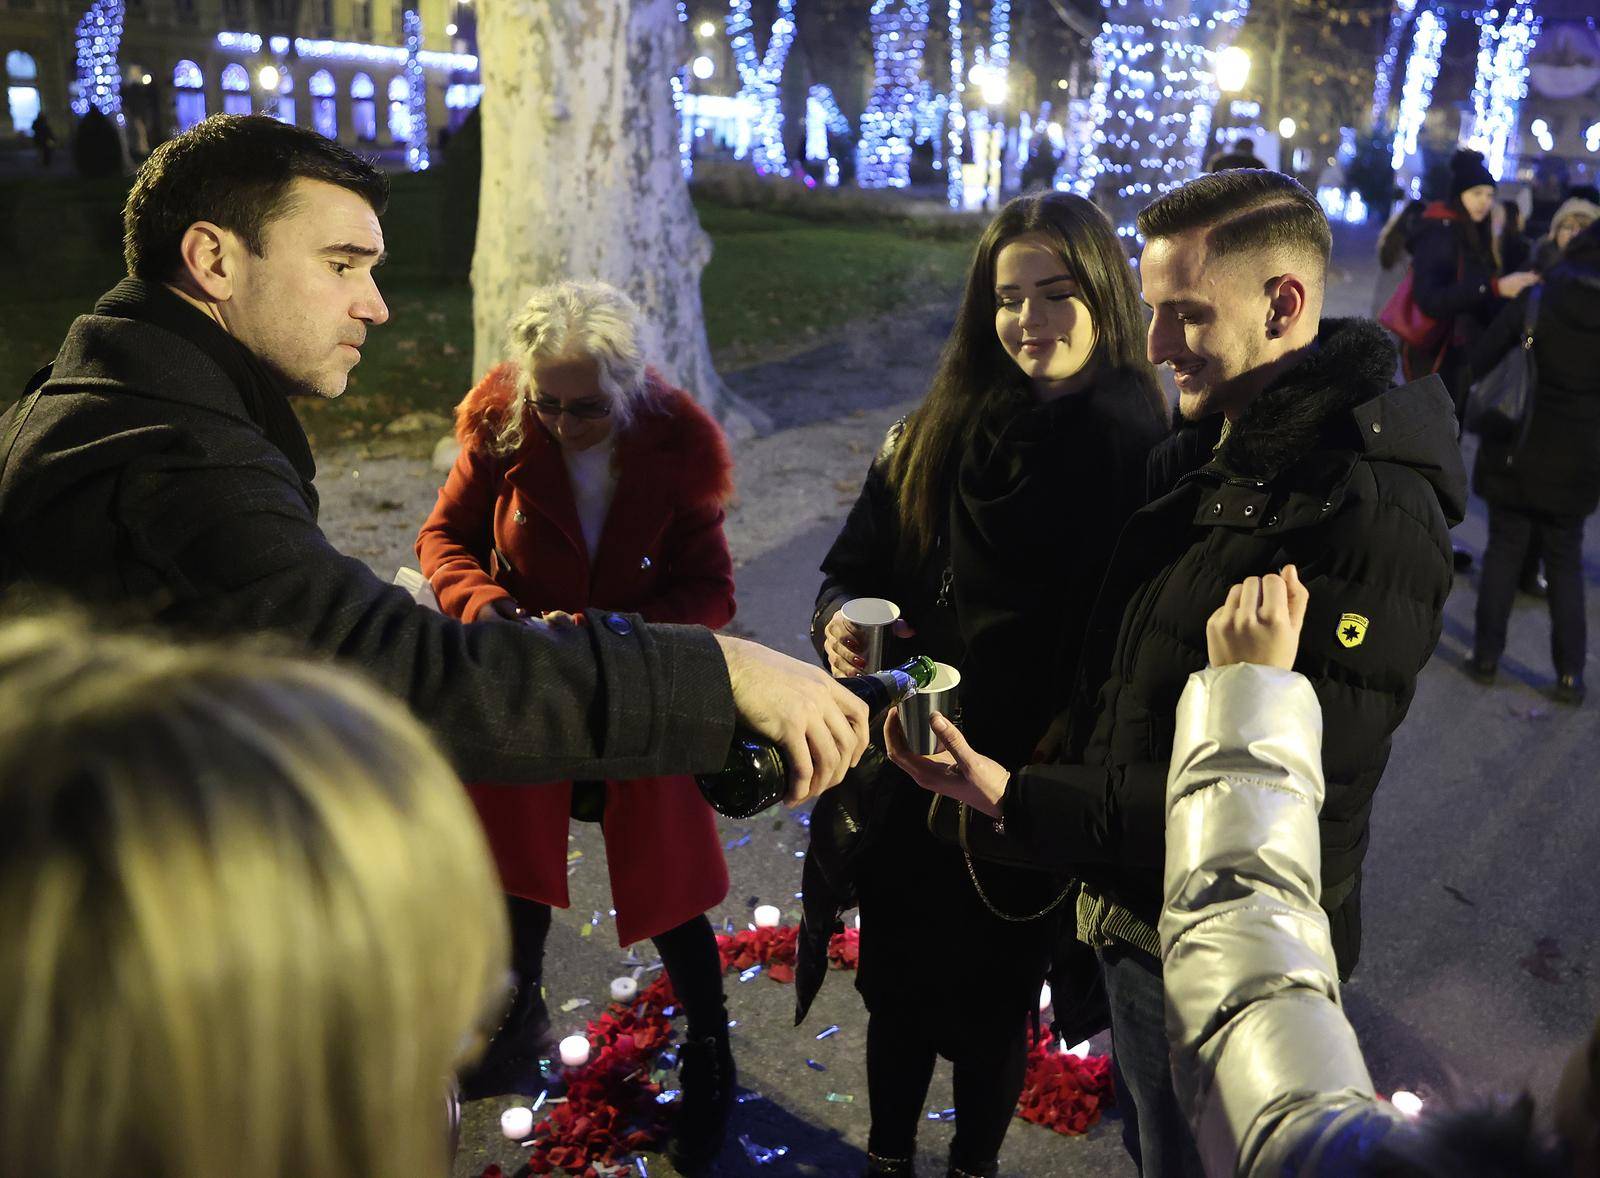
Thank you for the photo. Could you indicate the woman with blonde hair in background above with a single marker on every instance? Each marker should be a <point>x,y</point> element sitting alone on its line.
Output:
<point>247,920</point>
<point>586,482</point>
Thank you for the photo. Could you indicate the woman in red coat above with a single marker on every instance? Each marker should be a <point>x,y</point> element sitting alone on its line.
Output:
<point>586,482</point>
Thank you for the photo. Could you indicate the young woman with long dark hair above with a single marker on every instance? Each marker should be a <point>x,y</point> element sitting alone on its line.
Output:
<point>988,517</point>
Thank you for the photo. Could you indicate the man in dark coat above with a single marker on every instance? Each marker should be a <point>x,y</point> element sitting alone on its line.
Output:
<point>157,470</point>
<point>1295,451</point>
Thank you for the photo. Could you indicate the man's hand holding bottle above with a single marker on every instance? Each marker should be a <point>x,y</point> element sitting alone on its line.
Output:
<point>820,727</point>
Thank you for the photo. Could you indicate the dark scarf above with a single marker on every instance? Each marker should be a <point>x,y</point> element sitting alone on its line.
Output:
<point>1027,557</point>
<point>262,393</point>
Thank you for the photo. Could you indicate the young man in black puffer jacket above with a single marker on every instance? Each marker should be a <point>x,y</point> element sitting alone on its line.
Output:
<point>1295,450</point>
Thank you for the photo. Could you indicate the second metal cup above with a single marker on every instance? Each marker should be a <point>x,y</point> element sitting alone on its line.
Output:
<point>939,696</point>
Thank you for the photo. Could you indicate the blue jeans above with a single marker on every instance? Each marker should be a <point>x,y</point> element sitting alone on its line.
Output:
<point>1153,1128</point>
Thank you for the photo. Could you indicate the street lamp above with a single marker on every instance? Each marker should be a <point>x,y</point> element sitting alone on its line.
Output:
<point>994,87</point>
<point>704,67</point>
<point>269,78</point>
<point>707,28</point>
<point>1286,127</point>
<point>1233,69</point>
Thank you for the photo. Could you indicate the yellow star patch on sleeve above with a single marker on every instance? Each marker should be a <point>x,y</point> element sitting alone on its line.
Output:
<point>1352,631</point>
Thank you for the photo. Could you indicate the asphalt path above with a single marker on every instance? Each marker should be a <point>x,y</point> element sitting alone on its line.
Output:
<point>1480,968</point>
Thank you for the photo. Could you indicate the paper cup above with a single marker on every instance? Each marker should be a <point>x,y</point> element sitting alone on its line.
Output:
<point>917,712</point>
<point>874,616</point>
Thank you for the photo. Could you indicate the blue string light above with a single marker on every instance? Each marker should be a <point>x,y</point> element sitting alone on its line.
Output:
<point>1399,19</point>
<point>823,118</point>
<point>1502,81</point>
<point>353,51</point>
<point>99,39</point>
<point>417,138</point>
<point>956,112</point>
<point>929,109</point>
<point>1422,69</point>
<point>899,35</point>
<point>680,88</point>
<point>759,77</point>
<point>1153,96</point>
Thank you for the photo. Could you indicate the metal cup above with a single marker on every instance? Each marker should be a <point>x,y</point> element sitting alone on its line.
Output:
<point>873,616</point>
<point>940,696</point>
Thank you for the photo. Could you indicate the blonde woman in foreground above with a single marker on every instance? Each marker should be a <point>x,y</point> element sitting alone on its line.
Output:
<point>248,923</point>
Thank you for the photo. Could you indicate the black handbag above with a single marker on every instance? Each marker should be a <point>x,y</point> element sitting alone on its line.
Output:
<point>982,838</point>
<point>1500,403</point>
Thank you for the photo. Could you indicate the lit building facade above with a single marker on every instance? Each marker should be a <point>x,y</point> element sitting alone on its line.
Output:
<point>338,66</point>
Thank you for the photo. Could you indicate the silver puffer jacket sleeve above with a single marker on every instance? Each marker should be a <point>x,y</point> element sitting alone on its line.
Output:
<point>1264,1061</point>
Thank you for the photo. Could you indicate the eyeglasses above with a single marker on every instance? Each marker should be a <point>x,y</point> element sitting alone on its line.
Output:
<point>582,410</point>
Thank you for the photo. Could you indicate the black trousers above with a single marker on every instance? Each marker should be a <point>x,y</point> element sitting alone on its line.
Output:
<point>988,1079</point>
<point>1511,534</point>
<point>688,953</point>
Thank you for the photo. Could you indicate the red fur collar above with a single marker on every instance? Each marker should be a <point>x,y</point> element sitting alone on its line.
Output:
<point>677,439</point>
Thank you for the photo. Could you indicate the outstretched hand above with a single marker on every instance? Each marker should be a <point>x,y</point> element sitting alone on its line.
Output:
<point>1260,621</point>
<point>957,772</point>
<point>821,728</point>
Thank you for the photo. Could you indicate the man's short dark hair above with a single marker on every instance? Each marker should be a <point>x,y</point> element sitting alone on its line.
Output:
<point>1244,209</point>
<point>234,171</point>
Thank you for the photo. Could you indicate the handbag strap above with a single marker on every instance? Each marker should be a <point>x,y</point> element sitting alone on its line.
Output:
<point>1530,318</point>
<point>972,874</point>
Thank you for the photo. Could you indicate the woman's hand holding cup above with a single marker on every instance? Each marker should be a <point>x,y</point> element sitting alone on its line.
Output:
<point>847,644</point>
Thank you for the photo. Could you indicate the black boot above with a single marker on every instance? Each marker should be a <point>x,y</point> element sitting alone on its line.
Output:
<point>989,1171</point>
<point>706,1071</point>
<point>510,1063</point>
<point>1482,670</point>
<point>877,1167</point>
<point>1569,690</point>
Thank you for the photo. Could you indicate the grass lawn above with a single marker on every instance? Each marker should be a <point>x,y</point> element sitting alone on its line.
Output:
<point>775,285</point>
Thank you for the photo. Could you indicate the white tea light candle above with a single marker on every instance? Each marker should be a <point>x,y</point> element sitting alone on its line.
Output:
<point>624,989</point>
<point>574,1051</point>
<point>767,916</point>
<point>517,1123</point>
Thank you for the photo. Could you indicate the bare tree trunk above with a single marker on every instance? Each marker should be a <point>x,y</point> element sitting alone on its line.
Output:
<point>581,176</point>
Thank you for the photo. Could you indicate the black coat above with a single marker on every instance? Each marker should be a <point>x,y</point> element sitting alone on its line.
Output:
<point>136,481</point>
<point>1037,500</point>
<point>1557,469</point>
<point>1453,281</point>
<point>1355,483</point>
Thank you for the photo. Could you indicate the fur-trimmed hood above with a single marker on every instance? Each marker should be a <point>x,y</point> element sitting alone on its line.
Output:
<point>1341,397</point>
<point>681,441</point>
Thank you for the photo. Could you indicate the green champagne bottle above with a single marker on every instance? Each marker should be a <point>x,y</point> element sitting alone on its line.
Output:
<point>755,776</point>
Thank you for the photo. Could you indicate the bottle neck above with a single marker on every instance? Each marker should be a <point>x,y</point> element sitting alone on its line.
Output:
<point>881,689</point>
